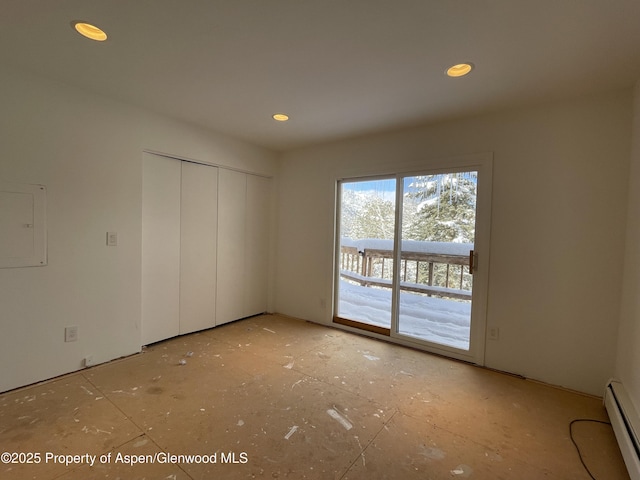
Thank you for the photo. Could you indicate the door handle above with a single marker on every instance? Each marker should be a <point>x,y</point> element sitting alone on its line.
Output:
<point>473,261</point>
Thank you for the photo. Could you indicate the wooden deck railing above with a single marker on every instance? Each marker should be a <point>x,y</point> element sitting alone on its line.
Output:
<point>432,274</point>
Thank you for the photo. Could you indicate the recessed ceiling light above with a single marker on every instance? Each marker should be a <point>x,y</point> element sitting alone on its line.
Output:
<point>89,31</point>
<point>460,70</point>
<point>280,117</point>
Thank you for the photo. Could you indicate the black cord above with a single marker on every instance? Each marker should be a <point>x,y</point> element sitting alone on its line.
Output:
<point>576,445</point>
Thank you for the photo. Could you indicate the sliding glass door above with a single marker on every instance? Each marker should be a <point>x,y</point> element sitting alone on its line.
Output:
<point>437,241</point>
<point>407,257</point>
<point>366,245</point>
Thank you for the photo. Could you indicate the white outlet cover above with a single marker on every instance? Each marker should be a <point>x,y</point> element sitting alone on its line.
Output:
<point>112,239</point>
<point>494,333</point>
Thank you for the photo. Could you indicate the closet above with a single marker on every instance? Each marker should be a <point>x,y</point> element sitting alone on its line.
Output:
<point>205,246</point>
<point>243,245</point>
<point>198,237</point>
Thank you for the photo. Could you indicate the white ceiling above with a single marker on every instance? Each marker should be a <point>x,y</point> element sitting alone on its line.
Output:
<point>339,68</point>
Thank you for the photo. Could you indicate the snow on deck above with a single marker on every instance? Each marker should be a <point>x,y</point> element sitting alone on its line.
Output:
<point>415,246</point>
<point>437,320</point>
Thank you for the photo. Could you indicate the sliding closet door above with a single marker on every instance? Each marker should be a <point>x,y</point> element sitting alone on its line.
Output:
<point>257,244</point>
<point>160,248</point>
<point>198,237</point>
<point>232,187</point>
<point>205,246</point>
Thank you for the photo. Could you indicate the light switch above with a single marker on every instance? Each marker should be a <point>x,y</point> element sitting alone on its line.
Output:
<point>112,239</point>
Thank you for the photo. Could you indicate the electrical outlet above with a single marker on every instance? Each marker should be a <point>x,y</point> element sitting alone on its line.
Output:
<point>71,334</point>
<point>494,333</point>
<point>112,239</point>
<point>88,361</point>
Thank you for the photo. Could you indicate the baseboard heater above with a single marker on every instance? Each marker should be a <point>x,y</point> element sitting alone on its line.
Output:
<point>626,425</point>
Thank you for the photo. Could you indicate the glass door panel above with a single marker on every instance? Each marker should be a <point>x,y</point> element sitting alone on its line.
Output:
<point>437,238</point>
<point>366,252</point>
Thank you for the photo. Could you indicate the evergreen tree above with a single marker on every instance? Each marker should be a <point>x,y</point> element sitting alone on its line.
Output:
<point>445,208</point>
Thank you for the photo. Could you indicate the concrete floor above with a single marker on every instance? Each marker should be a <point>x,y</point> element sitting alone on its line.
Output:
<point>273,397</point>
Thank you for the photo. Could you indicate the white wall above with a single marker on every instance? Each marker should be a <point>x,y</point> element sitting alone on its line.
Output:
<point>87,150</point>
<point>558,224</point>
<point>559,213</point>
<point>628,361</point>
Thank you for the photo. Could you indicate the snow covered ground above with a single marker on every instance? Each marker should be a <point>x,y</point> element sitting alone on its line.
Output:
<point>437,320</point>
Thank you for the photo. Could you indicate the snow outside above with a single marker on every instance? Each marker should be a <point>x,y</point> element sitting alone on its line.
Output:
<point>438,218</point>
